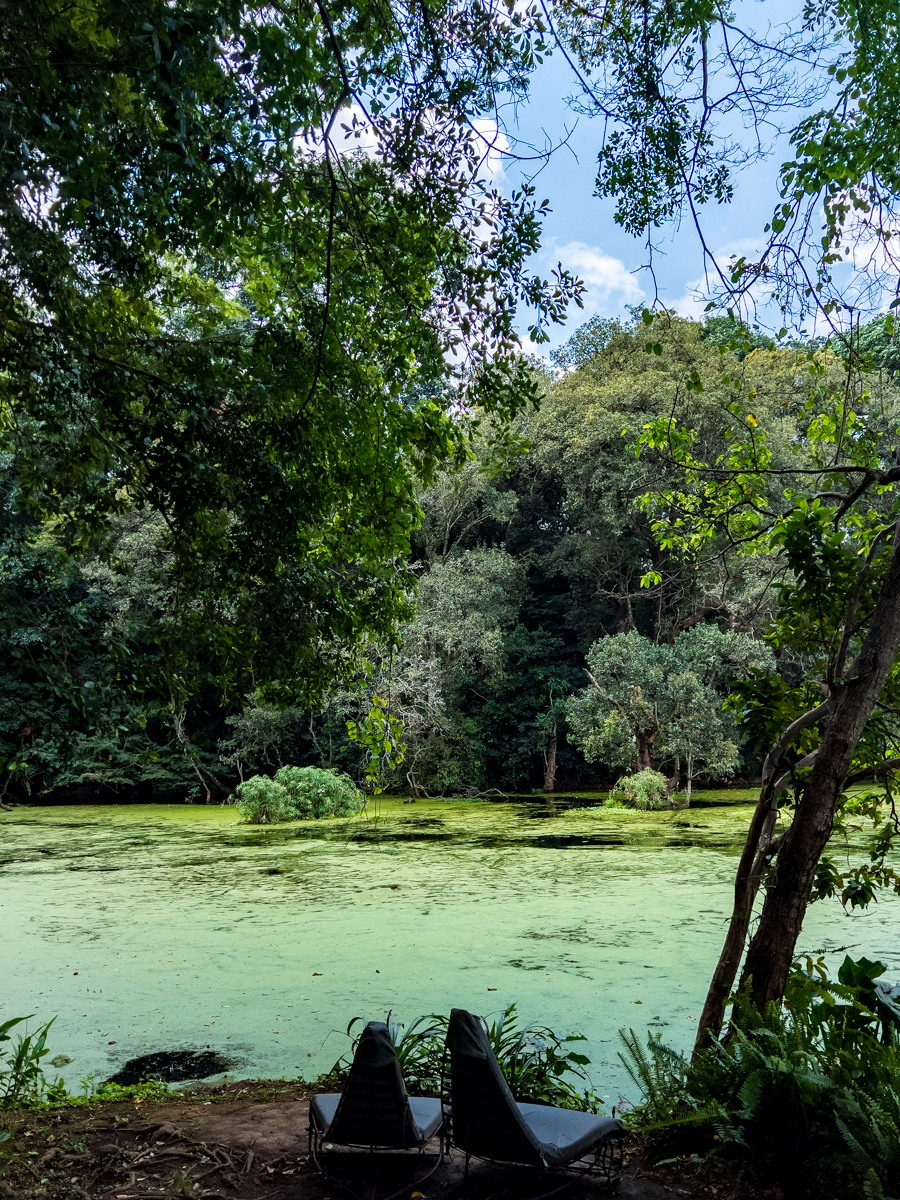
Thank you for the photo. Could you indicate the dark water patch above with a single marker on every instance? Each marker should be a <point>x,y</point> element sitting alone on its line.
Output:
<point>550,805</point>
<point>569,840</point>
<point>391,834</point>
<point>171,1066</point>
<point>719,802</point>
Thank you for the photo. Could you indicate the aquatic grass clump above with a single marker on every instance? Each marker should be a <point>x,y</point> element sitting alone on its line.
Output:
<point>21,1077</point>
<point>297,794</point>
<point>316,793</point>
<point>646,791</point>
<point>23,1083</point>
<point>263,801</point>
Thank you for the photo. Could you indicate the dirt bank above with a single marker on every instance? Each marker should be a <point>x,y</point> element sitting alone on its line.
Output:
<point>247,1141</point>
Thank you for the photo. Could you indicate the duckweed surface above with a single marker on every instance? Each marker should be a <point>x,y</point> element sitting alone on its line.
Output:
<point>153,928</point>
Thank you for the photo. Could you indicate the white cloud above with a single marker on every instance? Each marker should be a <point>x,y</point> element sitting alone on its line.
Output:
<point>698,292</point>
<point>740,248</point>
<point>610,285</point>
<point>693,303</point>
<point>492,146</point>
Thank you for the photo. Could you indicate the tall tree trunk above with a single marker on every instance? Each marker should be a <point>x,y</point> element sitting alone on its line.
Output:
<point>644,740</point>
<point>746,886</point>
<point>771,950</point>
<point>550,762</point>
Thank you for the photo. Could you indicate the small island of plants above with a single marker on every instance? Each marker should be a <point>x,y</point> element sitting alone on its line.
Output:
<point>297,794</point>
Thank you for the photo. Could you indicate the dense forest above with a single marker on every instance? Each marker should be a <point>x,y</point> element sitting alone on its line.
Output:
<point>281,490</point>
<point>552,640</point>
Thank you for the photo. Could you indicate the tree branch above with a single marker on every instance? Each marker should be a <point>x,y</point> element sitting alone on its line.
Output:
<point>849,628</point>
<point>890,764</point>
<point>791,734</point>
<point>783,780</point>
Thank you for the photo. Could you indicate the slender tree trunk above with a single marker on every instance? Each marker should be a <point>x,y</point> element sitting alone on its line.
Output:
<point>190,755</point>
<point>771,950</point>
<point>550,763</point>
<point>673,782</point>
<point>746,886</point>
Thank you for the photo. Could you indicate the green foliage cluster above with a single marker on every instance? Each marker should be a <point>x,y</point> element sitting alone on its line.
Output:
<point>23,1083</point>
<point>215,307</point>
<point>22,1080</point>
<point>317,793</point>
<point>534,561</point>
<point>651,702</point>
<point>856,883</point>
<point>537,1063</point>
<point>297,794</point>
<point>645,791</point>
<point>262,801</point>
<point>806,1091</point>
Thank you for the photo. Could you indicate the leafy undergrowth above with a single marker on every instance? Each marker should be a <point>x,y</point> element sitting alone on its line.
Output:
<point>806,1095</point>
<point>539,1065</point>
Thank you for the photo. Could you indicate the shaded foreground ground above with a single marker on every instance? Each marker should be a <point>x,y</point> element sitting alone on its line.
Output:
<point>247,1141</point>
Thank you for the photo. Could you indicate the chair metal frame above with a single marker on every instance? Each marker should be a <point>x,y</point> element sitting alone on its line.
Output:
<point>318,1142</point>
<point>317,1145</point>
<point>605,1161</point>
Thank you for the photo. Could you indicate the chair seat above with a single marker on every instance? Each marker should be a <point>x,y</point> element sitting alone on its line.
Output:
<point>427,1114</point>
<point>323,1107</point>
<point>426,1111</point>
<point>566,1135</point>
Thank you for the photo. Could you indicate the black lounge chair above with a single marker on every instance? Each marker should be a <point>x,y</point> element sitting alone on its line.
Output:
<point>485,1121</point>
<point>374,1112</point>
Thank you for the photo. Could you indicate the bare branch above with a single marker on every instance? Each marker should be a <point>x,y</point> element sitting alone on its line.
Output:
<point>790,735</point>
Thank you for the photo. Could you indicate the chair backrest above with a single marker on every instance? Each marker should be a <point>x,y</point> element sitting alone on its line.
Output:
<point>374,1109</point>
<point>485,1119</point>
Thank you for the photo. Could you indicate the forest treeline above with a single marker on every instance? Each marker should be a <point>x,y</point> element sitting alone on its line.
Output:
<point>552,638</point>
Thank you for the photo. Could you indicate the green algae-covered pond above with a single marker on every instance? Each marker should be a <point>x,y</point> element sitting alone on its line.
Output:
<point>146,928</point>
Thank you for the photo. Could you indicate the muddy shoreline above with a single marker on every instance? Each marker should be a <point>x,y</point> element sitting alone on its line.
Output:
<point>247,1140</point>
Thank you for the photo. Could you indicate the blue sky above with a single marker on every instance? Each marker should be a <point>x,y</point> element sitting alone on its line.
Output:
<point>581,233</point>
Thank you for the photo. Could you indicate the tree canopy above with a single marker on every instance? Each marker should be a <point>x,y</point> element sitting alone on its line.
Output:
<point>529,560</point>
<point>651,704</point>
<point>215,308</point>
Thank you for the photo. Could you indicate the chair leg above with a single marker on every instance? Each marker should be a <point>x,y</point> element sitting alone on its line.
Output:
<point>316,1145</point>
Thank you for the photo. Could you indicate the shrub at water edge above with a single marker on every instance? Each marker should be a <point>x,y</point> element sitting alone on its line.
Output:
<point>645,791</point>
<point>262,801</point>
<point>297,794</point>
<point>320,793</point>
